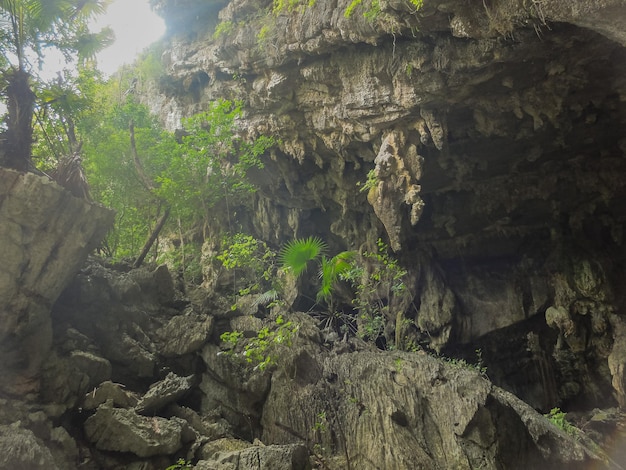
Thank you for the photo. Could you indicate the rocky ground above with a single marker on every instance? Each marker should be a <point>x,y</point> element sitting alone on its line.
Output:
<point>138,378</point>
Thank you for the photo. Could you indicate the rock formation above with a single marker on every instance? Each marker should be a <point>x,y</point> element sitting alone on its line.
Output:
<point>489,135</point>
<point>111,400</point>
<point>489,138</point>
<point>45,235</point>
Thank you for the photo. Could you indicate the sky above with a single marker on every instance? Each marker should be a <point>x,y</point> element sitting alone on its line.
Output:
<point>135,27</point>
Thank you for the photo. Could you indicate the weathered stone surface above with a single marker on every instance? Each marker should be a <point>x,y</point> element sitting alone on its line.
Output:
<point>494,133</point>
<point>164,392</point>
<point>45,234</point>
<point>21,450</point>
<point>125,315</point>
<point>184,334</point>
<point>231,391</point>
<point>288,457</point>
<point>109,392</point>
<point>66,379</point>
<point>416,411</point>
<point>239,455</point>
<point>122,430</point>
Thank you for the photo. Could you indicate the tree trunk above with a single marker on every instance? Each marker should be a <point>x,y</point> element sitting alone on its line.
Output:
<point>151,239</point>
<point>19,134</point>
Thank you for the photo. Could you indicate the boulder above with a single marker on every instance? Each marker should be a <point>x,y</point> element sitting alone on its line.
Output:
<point>20,449</point>
<point>164,392</point>
<point>123,430</point>
<point>233,454</point>
<point>45,235</point>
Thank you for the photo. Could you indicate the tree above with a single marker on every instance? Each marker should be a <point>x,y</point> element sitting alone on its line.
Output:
<point>27,29</point>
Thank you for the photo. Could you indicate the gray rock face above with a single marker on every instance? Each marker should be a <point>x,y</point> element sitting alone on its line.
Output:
<point>494,133</point>
<point>401,411</point>
<point>45,235</point>
<point>287,457</point>
<point>20,449</point>
<point>124,430</point>
<point>184,334</point>
<point>164,392</point>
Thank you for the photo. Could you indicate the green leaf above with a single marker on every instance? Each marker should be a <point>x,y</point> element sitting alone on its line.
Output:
<point>297,253</point>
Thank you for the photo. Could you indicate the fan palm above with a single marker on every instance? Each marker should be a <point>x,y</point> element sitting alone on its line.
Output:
<point>297,253</point>
<point>27,29</point>
<point>331,270</point>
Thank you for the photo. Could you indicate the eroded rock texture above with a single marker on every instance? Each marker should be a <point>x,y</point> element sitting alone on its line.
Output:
<point>340,404</point>
<point>45,236</point>
<point>494,132</point>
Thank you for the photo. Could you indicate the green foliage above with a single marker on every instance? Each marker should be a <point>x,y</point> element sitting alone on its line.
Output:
<point>321,424</point>
<point>380,290</point>
<point>181,464</point>
<point>210,164</point>
<point>350,9</point>
<point>374,10</point>
<point>296,254</point>
<point>254,259</point>
<point>223,28</point>
<point>205,168</point>
<point>111,170</point>
<point>558,418</point>
<point>148,65</point>
<point>280,6</point>
<point>263,349</point>
<point>32,27</point>
<point>370,183</point>
<point>331,270</point>
<point>185,259</point>
<point>478,366</point>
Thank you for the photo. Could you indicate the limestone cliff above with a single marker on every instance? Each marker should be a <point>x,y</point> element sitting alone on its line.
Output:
<point>492,133</point>
<point>489,137</point>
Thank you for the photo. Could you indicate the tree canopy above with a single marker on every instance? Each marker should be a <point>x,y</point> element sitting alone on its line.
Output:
<point>29,29</point>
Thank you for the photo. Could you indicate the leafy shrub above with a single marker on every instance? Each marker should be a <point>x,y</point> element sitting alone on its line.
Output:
<point>558,418</point>
<point>251,257</point>
<point>263,349</point>
<point>380,291</point>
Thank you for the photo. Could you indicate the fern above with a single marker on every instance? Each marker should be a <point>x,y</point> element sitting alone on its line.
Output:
<point>296,254</point>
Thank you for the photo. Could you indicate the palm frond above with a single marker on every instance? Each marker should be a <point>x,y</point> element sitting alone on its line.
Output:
<point>87,9</point>
<point>266,297</point>
<point>331,269</point>
<point>89,44</point>
<point>296,254</point>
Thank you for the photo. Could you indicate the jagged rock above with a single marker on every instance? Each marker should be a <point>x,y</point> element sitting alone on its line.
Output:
<point>124,317</point>
<point>209,430</point>
<point>210,450</point>
<point>109,392</point>
<point>21,450</point>
<point>232,392</point>
<point>164,392</point>
<point>140,435</point>
<point>66,379</point>
<point>402,410</point>
<point>233,454</point>
<point>46,234</point>
<point>502,158</point>
<point>184,334</point>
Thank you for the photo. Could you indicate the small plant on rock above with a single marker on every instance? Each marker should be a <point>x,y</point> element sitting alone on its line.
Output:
<point>251,262</point>
<point>380,290</point>
<point>558,418</point>
<point>181,464</point>
<point>265,347</point>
